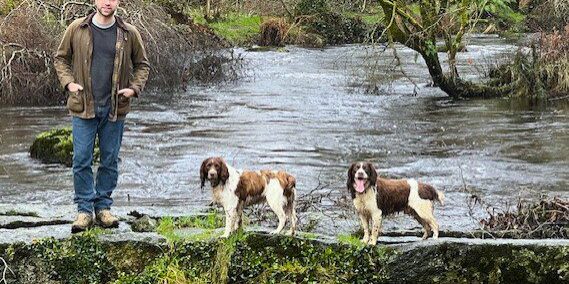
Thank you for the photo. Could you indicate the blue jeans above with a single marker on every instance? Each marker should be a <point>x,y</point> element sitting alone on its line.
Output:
<point>89,196</point>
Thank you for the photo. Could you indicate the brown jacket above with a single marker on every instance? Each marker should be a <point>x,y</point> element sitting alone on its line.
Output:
<point>73,64</point>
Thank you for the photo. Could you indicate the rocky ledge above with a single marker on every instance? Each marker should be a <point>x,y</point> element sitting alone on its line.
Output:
<point>189,250</point>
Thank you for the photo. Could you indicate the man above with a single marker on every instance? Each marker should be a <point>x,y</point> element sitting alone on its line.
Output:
<point>102,64</point>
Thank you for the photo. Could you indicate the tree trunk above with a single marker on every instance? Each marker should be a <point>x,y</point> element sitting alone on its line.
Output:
<point>208,10</point>
<point>457,87</point>
<point>407,30</point>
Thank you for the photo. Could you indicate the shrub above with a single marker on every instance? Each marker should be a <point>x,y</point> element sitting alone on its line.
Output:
<point>544,73</point>
<point>27,75</point>
<point>273,32</point>
<point>312,7</point>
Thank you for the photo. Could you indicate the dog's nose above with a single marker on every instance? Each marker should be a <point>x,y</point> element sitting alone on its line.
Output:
<point>211,175</point>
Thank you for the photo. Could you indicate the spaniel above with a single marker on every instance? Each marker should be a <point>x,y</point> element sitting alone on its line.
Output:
<point>235,189</point>
<point>375,197</point>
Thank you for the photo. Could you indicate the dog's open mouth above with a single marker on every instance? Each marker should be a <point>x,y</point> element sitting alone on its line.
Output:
<point>360,184</point>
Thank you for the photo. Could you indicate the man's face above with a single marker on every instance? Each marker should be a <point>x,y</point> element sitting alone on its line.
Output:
<point>106,8</point>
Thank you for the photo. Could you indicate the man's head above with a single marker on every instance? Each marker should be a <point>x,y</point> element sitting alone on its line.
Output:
<point>106,8</point>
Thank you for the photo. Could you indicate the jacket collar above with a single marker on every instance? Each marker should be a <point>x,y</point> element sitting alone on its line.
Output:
<point>88,20</point>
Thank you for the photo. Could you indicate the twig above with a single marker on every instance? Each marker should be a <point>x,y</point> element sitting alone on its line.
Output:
<point>6,268</point>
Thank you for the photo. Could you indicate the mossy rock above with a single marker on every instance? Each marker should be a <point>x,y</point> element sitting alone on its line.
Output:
<point>56,147</point>
<point>144,224</point>
<point>262,258</point>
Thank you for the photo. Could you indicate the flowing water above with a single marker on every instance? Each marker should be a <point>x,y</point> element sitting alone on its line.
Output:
<point>303,111</point>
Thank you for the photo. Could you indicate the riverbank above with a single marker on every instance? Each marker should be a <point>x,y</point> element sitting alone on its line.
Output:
<point>197,255</point>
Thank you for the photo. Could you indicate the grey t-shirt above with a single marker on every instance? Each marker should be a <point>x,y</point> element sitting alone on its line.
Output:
<point>102,64</point>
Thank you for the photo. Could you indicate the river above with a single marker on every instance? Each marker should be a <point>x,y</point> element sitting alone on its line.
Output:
<point>304,111</point>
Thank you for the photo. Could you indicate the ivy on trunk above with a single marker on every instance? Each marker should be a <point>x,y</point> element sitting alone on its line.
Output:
<point>449,20</point>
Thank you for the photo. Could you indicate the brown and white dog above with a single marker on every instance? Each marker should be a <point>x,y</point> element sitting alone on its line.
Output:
<point>375,197</point>
<point>235,189</point>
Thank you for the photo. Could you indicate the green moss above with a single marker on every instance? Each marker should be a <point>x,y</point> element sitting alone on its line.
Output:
<point>238,28</point>
<point>168,226</point>
<point>80,259</point>
<point>8,5</point>
<point>187,262</point>
<point>261,258</point>
<point>56,146</point>
<point>198,16</point>
<point>17,213</point>
<point>208,221</point>
<point>350,240</point>
<point>459,263</point>
<point>283,259</point>
<point>131,256</point>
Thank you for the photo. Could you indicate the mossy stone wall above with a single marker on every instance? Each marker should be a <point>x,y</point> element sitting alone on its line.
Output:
<point>260,258</point>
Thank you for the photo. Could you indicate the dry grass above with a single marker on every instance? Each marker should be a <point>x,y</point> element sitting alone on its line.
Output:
<point>547,219</point>
<point>548,15</point>
<point>273,32</point>
<point>554,59</point>
<point>543,72</point>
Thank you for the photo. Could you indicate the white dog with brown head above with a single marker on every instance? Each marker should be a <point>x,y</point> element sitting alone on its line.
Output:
<point>234,190</point>
<point>375,197</point>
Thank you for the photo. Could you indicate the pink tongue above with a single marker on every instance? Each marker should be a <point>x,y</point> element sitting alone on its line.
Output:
<point>360,185</point>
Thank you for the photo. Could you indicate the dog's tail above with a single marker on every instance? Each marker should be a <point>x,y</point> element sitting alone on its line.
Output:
<point>428,192</point>
<point>441,197</point>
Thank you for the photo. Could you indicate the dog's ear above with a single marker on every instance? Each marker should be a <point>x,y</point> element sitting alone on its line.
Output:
<point>351,180</point>
<point>203,171</point>
<point>224,171</point>
<point>372,174</point>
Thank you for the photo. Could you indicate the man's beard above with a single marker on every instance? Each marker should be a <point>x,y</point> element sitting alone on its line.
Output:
<point>111,14</point>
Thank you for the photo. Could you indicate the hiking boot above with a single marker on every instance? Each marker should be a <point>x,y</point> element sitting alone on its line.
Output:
<point>82,222</point>
<point>106,220</point>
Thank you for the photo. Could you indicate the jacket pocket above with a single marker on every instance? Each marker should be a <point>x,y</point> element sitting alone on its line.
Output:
<point>75,102</point>
<point>123,105</point>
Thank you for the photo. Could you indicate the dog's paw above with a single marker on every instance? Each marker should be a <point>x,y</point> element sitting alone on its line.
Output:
<point>225,236</point>
<point>372,242</point>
